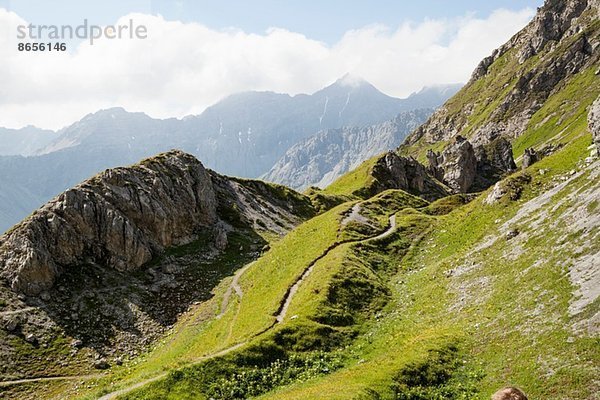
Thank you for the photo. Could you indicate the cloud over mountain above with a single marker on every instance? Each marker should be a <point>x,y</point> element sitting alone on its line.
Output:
<point>181,68</point>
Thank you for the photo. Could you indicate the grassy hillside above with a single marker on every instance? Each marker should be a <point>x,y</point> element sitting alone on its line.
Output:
<point>464,298</point>
<point>388,296</point>
<point>319,317</point>
<point>502,308</point>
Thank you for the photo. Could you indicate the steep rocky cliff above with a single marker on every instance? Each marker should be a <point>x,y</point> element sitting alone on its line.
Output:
<point>121,218</point>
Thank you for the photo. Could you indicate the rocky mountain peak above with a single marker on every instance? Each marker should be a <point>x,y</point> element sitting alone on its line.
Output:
<point>353,81</point>
<point>552,22</point>
<point>122,218</point>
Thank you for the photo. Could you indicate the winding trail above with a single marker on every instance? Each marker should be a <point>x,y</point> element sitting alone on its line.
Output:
<point>233,287</point>
<point>117,393</point>
<point>294,288</point>
<point>391,229</point>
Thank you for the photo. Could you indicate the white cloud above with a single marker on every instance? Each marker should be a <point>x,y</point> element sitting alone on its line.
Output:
<point>182,68</point>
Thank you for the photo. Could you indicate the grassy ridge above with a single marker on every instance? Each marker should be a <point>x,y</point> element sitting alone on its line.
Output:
<point>563,116</point>
<point>318,318</point>
<point>506,310</point>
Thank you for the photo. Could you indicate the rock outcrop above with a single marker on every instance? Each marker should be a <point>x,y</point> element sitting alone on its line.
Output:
<point>530,157</point>
<point>459,165</point>
<point>494,160</point>
<point>496,156</point>
<point>594,121</point>
<point>393,171</point>
<point>465,168</point>
<point>456,166</point>
<point>122,218</point>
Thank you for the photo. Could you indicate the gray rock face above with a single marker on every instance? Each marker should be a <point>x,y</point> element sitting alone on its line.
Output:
<point>594,121</point>
<point>459,165</point>
<point>393,171</point>
<point>407,172</point>
<point>494,160</point>
<point>121,218</point>
<point>456,166</point>
<point>322,158</point>
<point>463,167</point>
<point>498,155</point>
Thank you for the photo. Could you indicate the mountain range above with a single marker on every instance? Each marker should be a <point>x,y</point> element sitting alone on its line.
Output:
<point>243,135</point>
<point>461,265</point>
<point>25,141</point>
<point>322,158</point>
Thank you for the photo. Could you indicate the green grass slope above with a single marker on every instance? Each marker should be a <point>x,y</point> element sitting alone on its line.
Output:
<point>319,318</point>
<point>465,297</point>
<point>473,309</point>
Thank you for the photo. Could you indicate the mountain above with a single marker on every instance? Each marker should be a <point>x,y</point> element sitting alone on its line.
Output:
<point>511,86</point>
<point>124,243</point>
<point>452,267</point>
<point>25,141</point>
<point>243,135</point>
<point>322,158</point>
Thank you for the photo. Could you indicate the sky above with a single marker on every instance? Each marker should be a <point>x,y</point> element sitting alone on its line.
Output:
<point>198,52</point>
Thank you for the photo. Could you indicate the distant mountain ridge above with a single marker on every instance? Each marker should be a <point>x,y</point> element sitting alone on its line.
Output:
<point>322,158</point>
<point>25,141</point>
<point>242,135</point>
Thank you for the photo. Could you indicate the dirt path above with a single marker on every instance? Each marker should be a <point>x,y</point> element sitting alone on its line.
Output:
<point>391,229</point>
<point>292,291</point>
<point>356,216</point>
<point>234,287</point>
<point>117,393</point>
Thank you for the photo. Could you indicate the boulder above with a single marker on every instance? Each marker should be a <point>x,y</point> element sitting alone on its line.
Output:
<point>494,160</point>
<point>459,165</point>
<point>434,159</point>
<point>221,239</point>
<point>407,172</point>
<point>393,171</point>
<point>530,157</point>
<point>101,364</point>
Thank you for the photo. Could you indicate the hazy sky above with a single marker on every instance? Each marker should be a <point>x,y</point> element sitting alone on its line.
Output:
<point>198,52</point>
